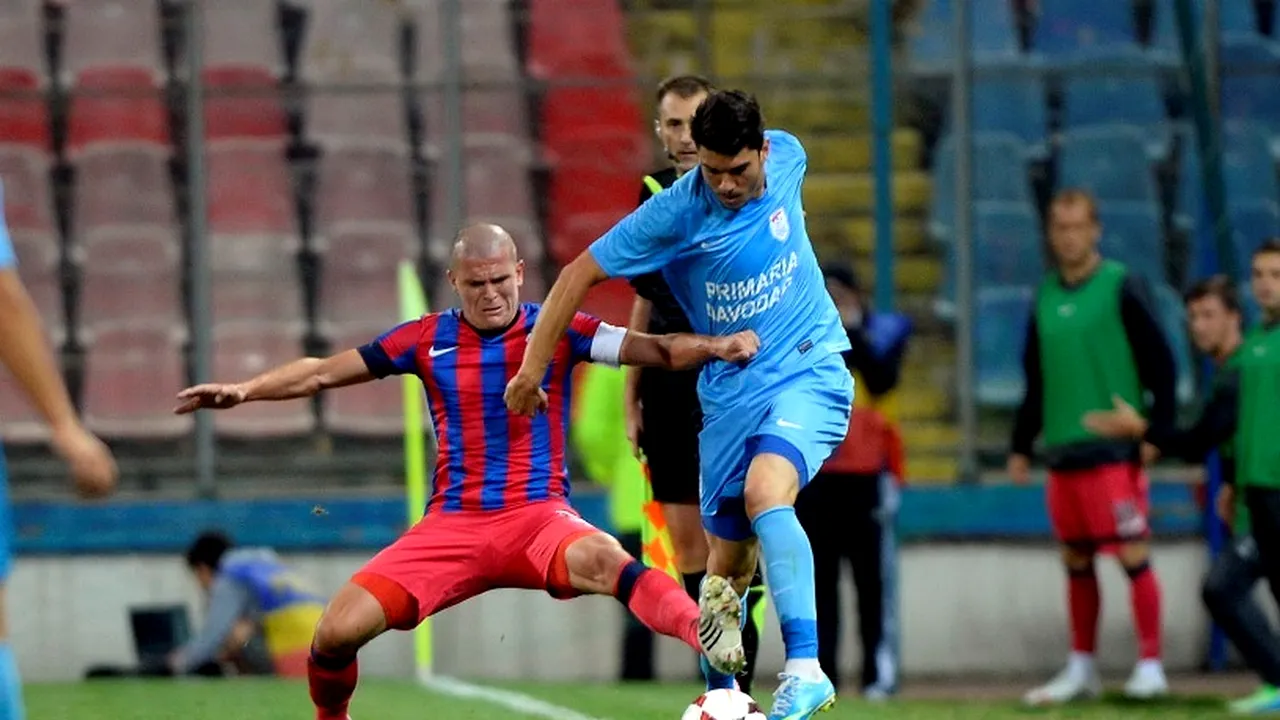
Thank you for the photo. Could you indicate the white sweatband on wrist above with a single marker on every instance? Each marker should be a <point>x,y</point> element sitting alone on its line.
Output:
<point>606,346</point>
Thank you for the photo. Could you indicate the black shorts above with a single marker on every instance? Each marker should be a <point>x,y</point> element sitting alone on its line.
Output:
<point>672,419</point>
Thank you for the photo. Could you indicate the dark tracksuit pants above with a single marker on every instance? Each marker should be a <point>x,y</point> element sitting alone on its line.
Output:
<point>840,514</point>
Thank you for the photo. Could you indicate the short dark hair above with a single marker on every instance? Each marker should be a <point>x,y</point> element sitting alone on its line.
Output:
<point>1271,245</point>
<point>684,86</point>
<point>1219,286</point>
<point>208,549</point>
<point>728,122</point>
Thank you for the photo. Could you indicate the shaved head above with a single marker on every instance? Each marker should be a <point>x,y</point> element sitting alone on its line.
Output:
<point>482,241</point>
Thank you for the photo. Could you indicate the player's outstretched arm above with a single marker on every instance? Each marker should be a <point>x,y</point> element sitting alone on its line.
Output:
<point>523,394</point>
<point>301,378</point>
<point>684,351</point>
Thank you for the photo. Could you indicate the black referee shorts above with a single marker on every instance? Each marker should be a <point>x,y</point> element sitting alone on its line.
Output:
<point>672,419</point>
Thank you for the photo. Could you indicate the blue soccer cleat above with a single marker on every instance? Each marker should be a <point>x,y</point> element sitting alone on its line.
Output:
<point>797,699</point>
<point>716,680</point>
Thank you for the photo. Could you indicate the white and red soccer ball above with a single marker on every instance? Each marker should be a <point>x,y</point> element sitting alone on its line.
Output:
<point>723,705</point>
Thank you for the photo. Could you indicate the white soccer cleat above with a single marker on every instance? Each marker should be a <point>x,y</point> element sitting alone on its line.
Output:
<point>720,625</point>
<point>1147,682</point>
<point>1069,685</point>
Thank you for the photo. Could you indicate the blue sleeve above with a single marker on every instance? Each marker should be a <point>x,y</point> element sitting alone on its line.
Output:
<point>7,258</point>
<point>781,141</point>
<point>395,352</point>
<point>228,602</point>
<point>645,240</point>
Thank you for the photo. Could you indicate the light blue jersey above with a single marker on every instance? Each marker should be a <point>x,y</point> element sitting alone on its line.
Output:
<point>747,269</point>
<point>8,260</point>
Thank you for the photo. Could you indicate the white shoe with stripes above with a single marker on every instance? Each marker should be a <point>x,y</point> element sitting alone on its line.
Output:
<point>720,625</point>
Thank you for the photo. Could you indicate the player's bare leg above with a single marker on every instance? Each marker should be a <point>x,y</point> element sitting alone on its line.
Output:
<point>1079,679</point>
<point>353,618</point>
<point>597,564</point>
<point>1148,679</point>
<point>688,539</point>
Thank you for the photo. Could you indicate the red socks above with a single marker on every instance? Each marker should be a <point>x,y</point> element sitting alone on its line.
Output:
<point>333,681</point>
<point>1085,602</point>
<point>1144,595</point>
<point>659,602</point>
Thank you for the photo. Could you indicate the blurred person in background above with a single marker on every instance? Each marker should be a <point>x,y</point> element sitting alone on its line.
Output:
<point>260,615</point>
<point>1093,335</point>
<point>664,415</point>
<point>26,355</point>
<point>599,434</point>
<point>847,509</point>
<point>1242,414</point>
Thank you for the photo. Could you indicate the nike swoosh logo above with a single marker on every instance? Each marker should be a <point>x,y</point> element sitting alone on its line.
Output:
<point>433,352</point>
<point>788,424</point>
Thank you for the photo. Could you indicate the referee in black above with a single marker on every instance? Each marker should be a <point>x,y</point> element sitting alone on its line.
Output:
<point>664,416</point>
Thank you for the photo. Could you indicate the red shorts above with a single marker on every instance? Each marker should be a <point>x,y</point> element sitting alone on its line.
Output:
<point>450,557</point>
<point>1099,508</point>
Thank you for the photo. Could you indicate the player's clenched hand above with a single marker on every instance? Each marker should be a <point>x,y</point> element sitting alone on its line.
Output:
<point>210,395</point>
<point>1227,504</point>
<point>635,426</point>
<point>1019,467</point>
<point>92,466</point>
<point>525,396</point>
<point>738,347</point>
<point>1121,422</point>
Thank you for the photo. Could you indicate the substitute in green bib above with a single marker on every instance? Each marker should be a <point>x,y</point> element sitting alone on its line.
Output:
<point>1093,336</point>
<point>1243,412</point>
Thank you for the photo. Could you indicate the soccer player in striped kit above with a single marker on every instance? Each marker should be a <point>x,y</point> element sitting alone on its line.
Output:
<point>499,515</point>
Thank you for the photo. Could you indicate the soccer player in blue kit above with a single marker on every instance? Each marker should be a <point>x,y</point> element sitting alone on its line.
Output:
<point>731,242</point>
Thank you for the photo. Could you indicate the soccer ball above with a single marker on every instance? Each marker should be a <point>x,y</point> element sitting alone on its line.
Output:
<point>723,705</point>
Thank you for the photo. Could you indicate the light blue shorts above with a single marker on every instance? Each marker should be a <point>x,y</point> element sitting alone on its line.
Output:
<point>6,522</point>
<point>804,423</point>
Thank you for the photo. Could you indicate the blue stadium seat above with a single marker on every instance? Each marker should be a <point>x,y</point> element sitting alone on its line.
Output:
<point>1241,42</point>
<point>1109,161</point>
<point>1070,30</point>
<point>1013,103</point>
<point>999,173</point>
<point>1127,99</point>
<point>1171,313</point>
<point>1132,234</point>
<point>1248,168</point>
<point>1002,314</point>
<point>1008,244</point>
<point>1252,222</point>
<point>1249,305</point>
<point>1188,202</point>
<point>993,36</point>
<point>1251,97</point>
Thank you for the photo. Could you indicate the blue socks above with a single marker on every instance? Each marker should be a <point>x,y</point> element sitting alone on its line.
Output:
<point>788,560</point>
<point>10,685</point>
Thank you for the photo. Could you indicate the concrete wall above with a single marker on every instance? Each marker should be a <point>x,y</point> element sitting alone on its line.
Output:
<point>965,609</point>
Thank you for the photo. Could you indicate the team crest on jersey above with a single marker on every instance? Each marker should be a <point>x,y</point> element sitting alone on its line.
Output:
<point>779,226</point>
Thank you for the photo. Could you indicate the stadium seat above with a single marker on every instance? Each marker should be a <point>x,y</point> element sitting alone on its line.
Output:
<point>352,41</point>
<point>1001,337</point>
<point>112,35</point>
<point>998,172</point>
<point>1248,52</point>
<point>366,118</point>
<point>1248,168</point>
<point>22,59</point>
<point>242,105</point>
<point>113,109</point>
<point>243,350</point>
<point>577,38</point>
<point>1008,247</point>
<point>1012,103</point>
<point>578,232</point>
<point>488,42</point>
<point>1129,99</point>
<point>24,117</point>
<point>1132,234</point>
<point>28,197</point>
<point>1251,98</point>
<point>589,190</point>
<point>993,37</point>
<point>1109,161</point>
<point>361,190</point>
<point>1173,320</point>
<point>240,37</point>
<point>122,189</point>
<point>250,191</point>
<point>348,296</point>
<point>498,185</point>
<point>1068,30</point>
<point>130,376</point>
<point>568,112</point>
<point>113,297</point>
<point>373,409</point>
<point>259,297</point>
<point>490,116</point>
<point>1252,223</point>
<point>611,301</point>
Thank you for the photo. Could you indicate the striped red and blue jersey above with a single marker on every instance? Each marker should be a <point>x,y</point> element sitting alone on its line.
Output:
<point>487,457</point>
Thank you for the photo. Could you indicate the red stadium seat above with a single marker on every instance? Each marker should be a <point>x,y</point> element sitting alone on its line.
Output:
<point>371,410</point>
<point>113,35</point>
<point>352,41</point>
<point>608,149</point>
<point>361,251</point>
<point>275,299</point>
<point>579,232</point>
<point>24,117</point>
<point>498,188</point>
<point>243,350</point>
<point>611,301</point>
<point>130,376</point>
<point>120,189</point>
<point>590,190</point>
<point>22,44</point>
<point>240,37</point>
<point>253,254</point>
<point>242,104</point>
<point>490,116</point>
<point>338,120</point>
<point>568,113</point>
<point>250,191</point>
<point>138,250</point>
<point>363,190</point>
<point>110,299</point>
<point>583,38</point>
<point>28,198</point>
<point>486,40</point>
<point>112,109</point>
<point>349,298</point>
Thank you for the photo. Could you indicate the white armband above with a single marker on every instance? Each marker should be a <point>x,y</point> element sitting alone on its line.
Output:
<point>606,346</point>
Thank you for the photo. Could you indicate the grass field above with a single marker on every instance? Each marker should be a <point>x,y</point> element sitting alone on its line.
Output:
<point>276,700</point>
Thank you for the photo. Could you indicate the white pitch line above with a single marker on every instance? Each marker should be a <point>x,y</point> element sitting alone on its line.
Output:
<point>509,699</point>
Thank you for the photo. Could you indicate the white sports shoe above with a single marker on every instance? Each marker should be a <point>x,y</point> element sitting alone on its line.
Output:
<point>720,625</point>
<point>1147,681</point>
<point>1070,684</point>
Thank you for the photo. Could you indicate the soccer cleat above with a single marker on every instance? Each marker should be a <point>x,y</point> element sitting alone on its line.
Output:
<point>1264,701</point>
<point>1066,686</point>
<point>1147,682</point>
<point>798,699</point>
<point>720,625</point>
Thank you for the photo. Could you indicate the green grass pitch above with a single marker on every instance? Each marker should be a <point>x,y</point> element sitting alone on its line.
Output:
<point>277,700</point>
